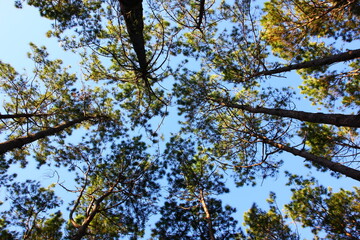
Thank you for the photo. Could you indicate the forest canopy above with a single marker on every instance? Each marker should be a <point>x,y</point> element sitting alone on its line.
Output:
<point>177,106</point>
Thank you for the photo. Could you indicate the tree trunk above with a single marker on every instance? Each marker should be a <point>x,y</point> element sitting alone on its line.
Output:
<point>201,14</point>
<point>332,119</point>
<point>82,230</point>
<point>133,14</point>
<point>24,115</point>
<point>21,141</point>
<point>341,57</point>
<point>207,215</point>
<point>334,166</point>
<point>94,210</point>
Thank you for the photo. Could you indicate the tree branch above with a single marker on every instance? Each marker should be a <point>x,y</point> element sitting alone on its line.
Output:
<point>329,118</point>
<point>92,211</point>
<point>207,214</point>
<point>341,57</point>
<point>133,15</point>
<point>24,115</point>
<point>334,166</point>
<point>201,14</point>
<point>21,141</point>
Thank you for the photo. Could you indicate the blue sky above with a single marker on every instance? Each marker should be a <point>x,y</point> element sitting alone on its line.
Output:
<point>19,27</point>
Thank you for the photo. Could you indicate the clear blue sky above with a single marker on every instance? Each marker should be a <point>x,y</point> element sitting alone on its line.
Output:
<point>19,27</point>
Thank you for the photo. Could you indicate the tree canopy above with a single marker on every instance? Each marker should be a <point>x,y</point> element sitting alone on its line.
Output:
<point>249,86</point>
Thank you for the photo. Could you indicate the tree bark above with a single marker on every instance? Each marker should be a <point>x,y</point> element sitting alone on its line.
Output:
<point>95,209</point>
<point>201,14</point>
<point>23,115</point>
<point>334,166</point>
<point>341,57</point>
<point>133,14</point>
<point>330,118</point>
<point>207,214</point>
<point>21,141</point>
<point>82,230</point>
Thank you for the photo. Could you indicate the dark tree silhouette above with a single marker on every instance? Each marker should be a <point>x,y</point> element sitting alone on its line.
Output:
<point>132,11</point>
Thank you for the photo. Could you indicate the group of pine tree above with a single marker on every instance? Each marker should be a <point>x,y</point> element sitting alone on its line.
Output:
<point>224,73</point>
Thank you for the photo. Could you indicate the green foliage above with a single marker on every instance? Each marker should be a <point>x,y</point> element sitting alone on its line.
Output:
<point>326,89</point>
<point>29,208</point>
<point>85,16</point>
<point>329,215</point>
<point>316,207</point>
<point>306,30</point>
<point>267,225</point>
<point>329,141</point>
<point>191,211</point>
<point>118,189</point>
<point>186,221</point>
<point>320,139</point>
<point>50,228</point>
<point>49,98</point>
<point>4,233</point>
<point>209,62</point>
<point>291,25</point>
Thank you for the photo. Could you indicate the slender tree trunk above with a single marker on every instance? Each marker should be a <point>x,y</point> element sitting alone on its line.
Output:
<point>207,215</point>
<point>334,166</point>
<point>201,14</point>
<point>341,57</point>
<point>82,230</point>
<point>95,209</point>
<point>21,141</point>
<point>132,11</point>
<point>133,14</point>
<point>333,119</point>
<point>23,115</point>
